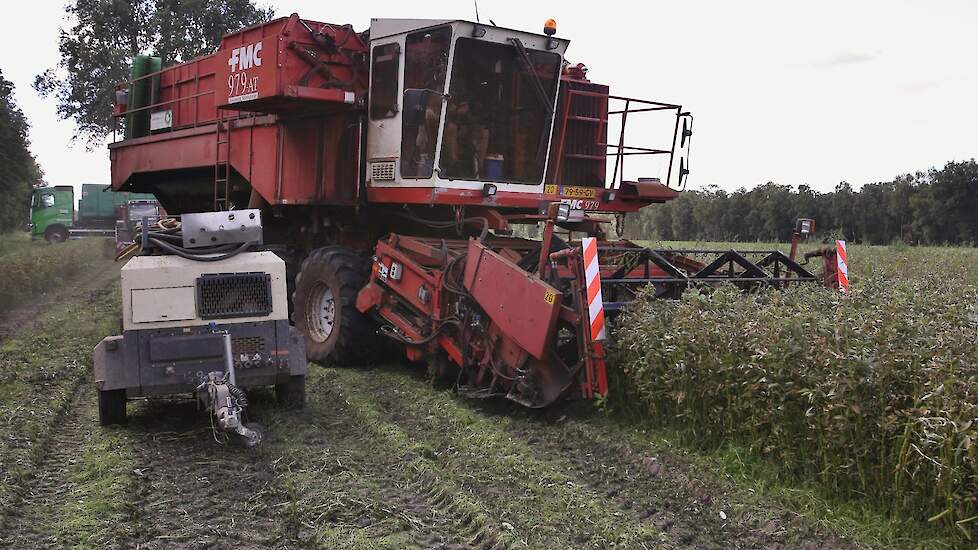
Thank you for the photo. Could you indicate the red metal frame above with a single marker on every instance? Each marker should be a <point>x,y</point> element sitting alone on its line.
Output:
<point>292,142</point>
<point>507,342</point>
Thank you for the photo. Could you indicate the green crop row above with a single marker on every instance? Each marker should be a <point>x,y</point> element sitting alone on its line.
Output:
<point>32,270</point>
<point>873,395</point>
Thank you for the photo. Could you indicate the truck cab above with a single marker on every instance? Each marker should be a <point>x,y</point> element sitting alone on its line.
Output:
<point>131,214</point>
<point>52,213</point>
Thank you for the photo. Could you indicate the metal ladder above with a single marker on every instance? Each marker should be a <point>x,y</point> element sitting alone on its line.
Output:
<point>222,163</point>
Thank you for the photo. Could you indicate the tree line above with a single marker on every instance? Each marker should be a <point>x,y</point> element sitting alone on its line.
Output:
<point>96,51</point>
<point>18,169</point>
<point>936,207</point>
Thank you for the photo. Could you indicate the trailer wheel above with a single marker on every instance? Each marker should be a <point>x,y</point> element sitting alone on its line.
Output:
<point>292,394</point>
<point>56,234</point>
<point>111,407</point>
<point>325,311</point>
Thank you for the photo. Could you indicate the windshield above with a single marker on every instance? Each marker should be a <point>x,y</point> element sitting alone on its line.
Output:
<point>499,113</point>
<point>139,211</point>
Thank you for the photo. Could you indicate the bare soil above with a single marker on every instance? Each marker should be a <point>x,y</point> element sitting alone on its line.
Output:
<point>378,459</point>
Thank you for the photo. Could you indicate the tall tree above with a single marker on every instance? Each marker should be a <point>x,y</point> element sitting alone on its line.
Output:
<point>106,34</point>
<point>18,169</point>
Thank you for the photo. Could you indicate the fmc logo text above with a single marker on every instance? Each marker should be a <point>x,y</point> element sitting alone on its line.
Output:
<point>245,57</point>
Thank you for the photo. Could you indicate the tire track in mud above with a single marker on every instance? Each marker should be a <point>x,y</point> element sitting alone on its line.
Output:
<point>31,522</point>
<point>49,378</point>
<point>358,489</point>
<point>193,492</point>
<point>535,496</point>
<point>639,484</point>
<point>656,487</point>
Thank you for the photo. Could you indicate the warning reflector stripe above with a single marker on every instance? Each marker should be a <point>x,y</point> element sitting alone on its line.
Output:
<point>842,266</point>
<point>592,277</point>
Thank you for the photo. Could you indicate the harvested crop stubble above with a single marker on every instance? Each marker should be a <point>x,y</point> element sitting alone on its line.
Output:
<point>873,394</point>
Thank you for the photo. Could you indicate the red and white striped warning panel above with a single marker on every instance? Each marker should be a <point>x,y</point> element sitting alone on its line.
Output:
<point>592,276</point>
<point>842,266</point>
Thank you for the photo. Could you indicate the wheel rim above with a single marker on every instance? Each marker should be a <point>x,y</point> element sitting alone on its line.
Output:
<point>321,313</point>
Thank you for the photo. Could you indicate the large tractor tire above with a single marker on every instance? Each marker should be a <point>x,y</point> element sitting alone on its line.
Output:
<point>56,234</point>
<point>325,310</point>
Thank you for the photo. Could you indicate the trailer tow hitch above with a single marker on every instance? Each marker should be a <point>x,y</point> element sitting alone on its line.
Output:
<point>226,401</point>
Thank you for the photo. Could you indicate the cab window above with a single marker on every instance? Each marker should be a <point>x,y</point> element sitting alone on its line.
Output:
<point>499,112</point>
<point>47,201</point>
<point>425,67</point>
<point>383,81</point>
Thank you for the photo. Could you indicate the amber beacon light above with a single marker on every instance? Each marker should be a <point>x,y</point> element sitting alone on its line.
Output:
<point>550,27</point>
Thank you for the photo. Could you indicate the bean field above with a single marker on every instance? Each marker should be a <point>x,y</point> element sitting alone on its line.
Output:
<point>871,395</point>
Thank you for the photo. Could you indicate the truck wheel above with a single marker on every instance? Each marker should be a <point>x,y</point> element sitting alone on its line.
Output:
<point>56,235</point>
<point>292,394</point>
<point>111,407</point>
<point>325,310</point>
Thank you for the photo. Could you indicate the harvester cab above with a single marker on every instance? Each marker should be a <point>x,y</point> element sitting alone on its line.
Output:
<point>476,105</point>
<point>467,113</point>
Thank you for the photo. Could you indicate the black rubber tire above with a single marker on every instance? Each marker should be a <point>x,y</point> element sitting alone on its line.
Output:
<point>56,235</point>
<point>343,272</point>
<point>292,394</point>
<point>112,407</point>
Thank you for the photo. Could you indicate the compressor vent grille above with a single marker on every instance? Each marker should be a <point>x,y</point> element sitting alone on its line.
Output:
<point>223,295</point>
<point>247,345</point>
<point>382,171</point>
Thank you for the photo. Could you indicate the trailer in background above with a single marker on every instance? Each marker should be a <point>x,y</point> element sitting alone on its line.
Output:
<point>55,219</point>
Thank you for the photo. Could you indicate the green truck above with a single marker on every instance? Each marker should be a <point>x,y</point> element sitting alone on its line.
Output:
<point>54,218</point>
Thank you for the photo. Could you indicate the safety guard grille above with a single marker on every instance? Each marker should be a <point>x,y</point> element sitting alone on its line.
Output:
<point>382,171</point>
<point>223,295</point>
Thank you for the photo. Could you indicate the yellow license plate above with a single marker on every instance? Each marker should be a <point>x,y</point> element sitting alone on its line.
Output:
<point>571,191</point>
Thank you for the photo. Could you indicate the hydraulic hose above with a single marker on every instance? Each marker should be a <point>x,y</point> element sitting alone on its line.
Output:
<point>201,256</point>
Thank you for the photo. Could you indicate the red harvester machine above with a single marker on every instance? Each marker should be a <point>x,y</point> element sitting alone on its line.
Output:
<point>392,166</point>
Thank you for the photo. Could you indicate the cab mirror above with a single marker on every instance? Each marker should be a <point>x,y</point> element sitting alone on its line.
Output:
<point>415,105</point>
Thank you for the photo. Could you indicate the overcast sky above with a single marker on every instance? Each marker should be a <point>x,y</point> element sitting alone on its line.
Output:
<point>815,93</point>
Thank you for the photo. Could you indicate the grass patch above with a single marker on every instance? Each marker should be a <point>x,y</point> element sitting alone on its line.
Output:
<point>31,269</point>
<point>16,241</point>
<point>96,510</point>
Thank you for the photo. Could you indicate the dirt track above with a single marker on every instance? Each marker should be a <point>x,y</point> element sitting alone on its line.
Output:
<point>377,459</point>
